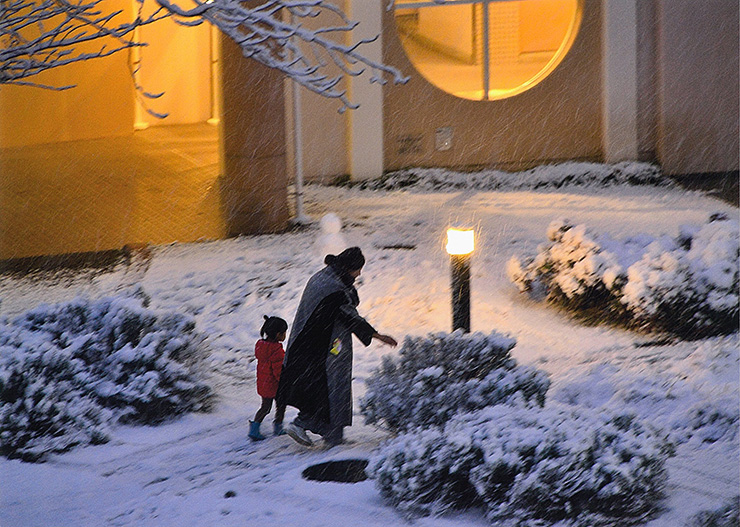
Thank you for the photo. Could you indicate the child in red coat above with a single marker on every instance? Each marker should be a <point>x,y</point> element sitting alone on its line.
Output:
<point>270,354</point>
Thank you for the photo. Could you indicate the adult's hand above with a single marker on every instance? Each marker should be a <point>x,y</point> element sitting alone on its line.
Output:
<point>386,339</point>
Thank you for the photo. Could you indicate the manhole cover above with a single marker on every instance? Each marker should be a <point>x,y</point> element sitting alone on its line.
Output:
<point>341,471</point>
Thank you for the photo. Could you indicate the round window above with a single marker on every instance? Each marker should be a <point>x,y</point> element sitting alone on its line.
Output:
<point>487,49</point>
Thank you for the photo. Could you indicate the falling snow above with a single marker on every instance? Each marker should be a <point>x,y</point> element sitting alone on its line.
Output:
<point>202,469</point>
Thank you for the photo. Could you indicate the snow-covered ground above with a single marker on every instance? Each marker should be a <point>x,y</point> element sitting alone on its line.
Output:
<point>180,473</point>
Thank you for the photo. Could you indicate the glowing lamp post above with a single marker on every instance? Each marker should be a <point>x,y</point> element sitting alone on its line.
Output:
<point>460,243</point>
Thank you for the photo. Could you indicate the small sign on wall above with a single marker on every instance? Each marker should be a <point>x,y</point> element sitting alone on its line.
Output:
<point>443,138</point>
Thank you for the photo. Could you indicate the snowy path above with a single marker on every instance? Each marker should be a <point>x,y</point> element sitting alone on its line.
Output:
<point>178,474</point>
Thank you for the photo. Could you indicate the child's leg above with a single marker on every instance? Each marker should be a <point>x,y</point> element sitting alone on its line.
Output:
<point>264,410</point>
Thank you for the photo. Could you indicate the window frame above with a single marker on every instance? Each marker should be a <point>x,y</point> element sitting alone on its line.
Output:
<point>544,72</point>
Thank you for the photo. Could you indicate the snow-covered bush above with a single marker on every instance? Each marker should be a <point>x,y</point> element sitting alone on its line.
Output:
<point>714,420</point>
<point>728,515</point>
<point>695,400</point>
<point>69,371</point>
<point>426,472</point>
<point>579,268</point>
<point>576,174</point>
<point>527,466</point>
<point>436,377</point>
<point>694,286</point>
<point>687,285</point>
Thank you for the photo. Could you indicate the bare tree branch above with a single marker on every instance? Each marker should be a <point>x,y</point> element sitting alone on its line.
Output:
<point>38,35</point>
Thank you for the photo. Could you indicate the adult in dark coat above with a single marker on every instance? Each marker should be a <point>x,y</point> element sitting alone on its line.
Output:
<point>317,371</point>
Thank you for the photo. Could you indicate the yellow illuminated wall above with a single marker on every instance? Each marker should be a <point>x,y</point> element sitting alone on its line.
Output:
<point>76,177</point>
<point>100,105</point>
<point>450,29</point>
<point>176,61</point>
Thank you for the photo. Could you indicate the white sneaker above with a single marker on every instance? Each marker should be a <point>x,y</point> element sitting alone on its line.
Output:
<point>298,434</point>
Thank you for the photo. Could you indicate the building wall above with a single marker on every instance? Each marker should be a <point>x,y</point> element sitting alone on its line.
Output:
<point>324,138</point>
<point>253,156</point>
<point>100,105</point>
<point>324,129</point>
<point>647,81</point>
<point>560,118</point>
<point>176,61</point>
<point>687,119</point>
<point>74,176</point>
<point>697,86</point>
<point>365,124</point>
<point>45,143</point>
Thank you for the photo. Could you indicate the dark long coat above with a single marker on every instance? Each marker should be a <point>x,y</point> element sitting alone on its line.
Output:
<point>317,371</point>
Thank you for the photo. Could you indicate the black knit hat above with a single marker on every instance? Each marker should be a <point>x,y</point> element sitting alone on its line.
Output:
<point>349,259</point>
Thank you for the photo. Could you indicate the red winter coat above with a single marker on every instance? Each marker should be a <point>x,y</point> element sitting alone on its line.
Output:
<point>270,357</point>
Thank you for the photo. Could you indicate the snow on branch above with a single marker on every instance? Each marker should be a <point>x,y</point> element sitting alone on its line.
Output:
<point>274,34</point>
<point>37,35</point>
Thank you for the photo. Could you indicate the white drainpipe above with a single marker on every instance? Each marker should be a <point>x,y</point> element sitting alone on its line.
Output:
<point>300,216</point>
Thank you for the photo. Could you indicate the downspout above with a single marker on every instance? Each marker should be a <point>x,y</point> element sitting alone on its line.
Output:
<point>300,216</point>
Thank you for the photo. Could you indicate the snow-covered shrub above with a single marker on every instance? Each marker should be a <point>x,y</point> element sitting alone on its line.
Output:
<point>69,371</point>
<point>575,174</point>
<point>693,398</point>
<point>426,472</point>
<point>579,268</point>
<point>692,288</point>
<point>714,420</point>
<point>688,407</point>
<point>438,376</point>
<point>687,285</point>
<point>527,466</point>
<point>728,515</point>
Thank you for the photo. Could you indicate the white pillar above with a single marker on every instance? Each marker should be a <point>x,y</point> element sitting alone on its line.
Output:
<point>365,124</point>
<point>619,58</point>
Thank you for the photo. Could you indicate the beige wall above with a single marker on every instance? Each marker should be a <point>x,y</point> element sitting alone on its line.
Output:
<point>324,129</point>
<point>647,81</point>
<point>365,124</point>
<point>698,86</point>
<point>619,82</point>
<point>558,119</point>
<point>324,138</point>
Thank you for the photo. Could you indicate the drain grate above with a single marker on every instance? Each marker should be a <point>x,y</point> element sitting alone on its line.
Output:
<point>340,471</point>
<point>398,247</point>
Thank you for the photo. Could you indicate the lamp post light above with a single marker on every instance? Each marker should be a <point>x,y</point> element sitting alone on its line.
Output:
<point>460,244</point>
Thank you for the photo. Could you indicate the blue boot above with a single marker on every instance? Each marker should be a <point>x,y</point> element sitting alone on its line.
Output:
<point>254,431</point>
<point>278,430</point>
